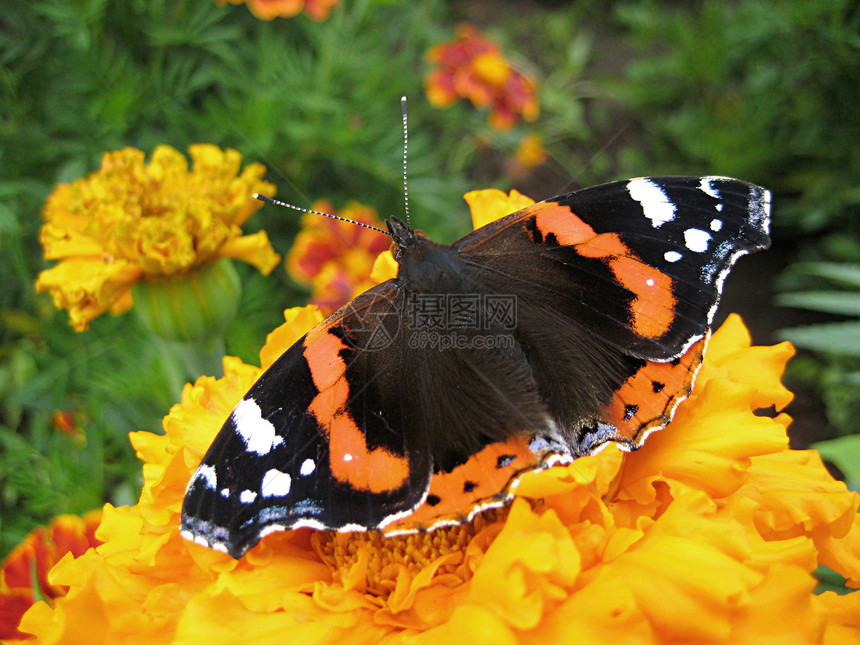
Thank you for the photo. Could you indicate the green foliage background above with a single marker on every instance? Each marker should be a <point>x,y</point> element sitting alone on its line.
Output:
<point>764,90</point>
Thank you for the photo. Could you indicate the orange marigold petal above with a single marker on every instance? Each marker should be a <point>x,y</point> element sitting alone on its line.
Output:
<point>842,616</point>
<point>298,321</point>
<point>708,445</point>
<point>531,564</point>
<point>474,68</point>
<point>842,553</point>
<point>384,268</point>
<point>779,610</point>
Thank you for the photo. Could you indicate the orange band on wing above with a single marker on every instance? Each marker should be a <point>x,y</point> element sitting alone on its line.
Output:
<point>605,245</point>
<point>632,413</point>
<point>330,402</point>
<point>567,228</point>
<point>654,305</point>
<point>351,461</point>
<point>322,354</point>
<point>375,470</point>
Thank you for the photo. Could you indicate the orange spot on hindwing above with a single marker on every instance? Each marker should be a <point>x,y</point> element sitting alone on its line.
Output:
<point>647,400</point>
<point>351,460</point>
<point>483,480</point>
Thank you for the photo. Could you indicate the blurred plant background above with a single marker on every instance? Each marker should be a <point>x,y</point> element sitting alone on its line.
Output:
<point>764,90</point>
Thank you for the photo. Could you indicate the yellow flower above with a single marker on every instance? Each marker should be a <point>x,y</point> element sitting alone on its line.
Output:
<point>472,67</point>
<point>708,534</point>
<point>130,222</point>
<point>317,10</point>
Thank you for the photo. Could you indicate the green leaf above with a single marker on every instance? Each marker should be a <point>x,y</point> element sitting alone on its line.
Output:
<point>844,452</point>
<point>835,338</point>
<point>839,272</point>
<point>844,303</point>
<point>829,580</point>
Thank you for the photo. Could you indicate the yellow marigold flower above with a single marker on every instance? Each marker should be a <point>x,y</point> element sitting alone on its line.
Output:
<point>708,534</point>
<point>335,258</point>
<point>473,67</point>
<point>131,222</point>
<point>24,572</point>
<point>317,10</point>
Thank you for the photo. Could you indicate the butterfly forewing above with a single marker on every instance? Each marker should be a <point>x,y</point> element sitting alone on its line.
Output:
<point>645,258</point>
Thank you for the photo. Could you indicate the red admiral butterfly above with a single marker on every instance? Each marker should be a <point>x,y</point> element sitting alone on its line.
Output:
<point>534,340</point>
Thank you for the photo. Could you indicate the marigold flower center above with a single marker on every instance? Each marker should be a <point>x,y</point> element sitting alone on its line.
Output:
<point>492,68</point>
<point>373,562</point>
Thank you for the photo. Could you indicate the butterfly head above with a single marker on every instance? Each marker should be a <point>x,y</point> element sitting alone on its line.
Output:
<point>403,238</point>
<point>424,265</point>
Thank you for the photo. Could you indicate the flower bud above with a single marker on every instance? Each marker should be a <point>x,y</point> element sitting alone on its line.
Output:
<point>191,307</point>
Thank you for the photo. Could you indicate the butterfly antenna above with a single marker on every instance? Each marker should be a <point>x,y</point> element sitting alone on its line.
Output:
<point>277,202</point>
<point>405,149</point>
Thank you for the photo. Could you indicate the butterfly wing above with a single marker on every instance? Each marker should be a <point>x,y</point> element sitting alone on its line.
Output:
<point>640,262</point>
<point>309,444</point>
<point>616,287</point>
<point>356,427</point>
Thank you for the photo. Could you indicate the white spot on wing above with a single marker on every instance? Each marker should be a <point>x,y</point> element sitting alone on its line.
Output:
<point>206,474</point>
<point>716,224</point>
<point>257,433</point>
<point>707,187</point>
<point>672,256</point>
<point>697,239</point>
<point>347,457</point>
<point>655,203</point>
<point>307,467</point>
<point>247,496</point>
<point>225,492</point>
<point>276,483</point>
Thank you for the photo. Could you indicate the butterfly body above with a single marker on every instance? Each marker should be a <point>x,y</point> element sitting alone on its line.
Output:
<point>531,341</point>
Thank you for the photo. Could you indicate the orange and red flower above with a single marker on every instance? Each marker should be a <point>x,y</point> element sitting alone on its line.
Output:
<point>335,258</point>
<point>318,10</point>
<point>24,573</point>
<point>473,67</point>
<point>530,154</point>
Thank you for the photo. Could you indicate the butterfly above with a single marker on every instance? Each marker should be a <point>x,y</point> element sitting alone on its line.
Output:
<point>534,340</point>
